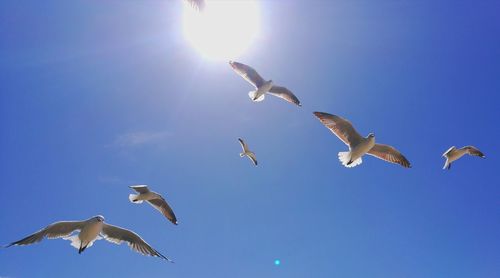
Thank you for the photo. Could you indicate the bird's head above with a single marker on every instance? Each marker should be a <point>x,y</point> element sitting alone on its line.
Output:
<point>371,135</point>
<point>269,84</point>
<point>98,218</point>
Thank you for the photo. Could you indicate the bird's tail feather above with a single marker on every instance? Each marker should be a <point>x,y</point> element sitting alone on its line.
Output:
<point>75,241</point>
<point>345,158</point>
<point>447,165</point>
<point>252,96</point>
<point>133,199</point>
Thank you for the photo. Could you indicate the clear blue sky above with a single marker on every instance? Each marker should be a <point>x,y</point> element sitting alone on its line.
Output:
<point>99,95</point>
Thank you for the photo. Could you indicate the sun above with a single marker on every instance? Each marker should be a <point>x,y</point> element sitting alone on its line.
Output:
<point>224,29</point>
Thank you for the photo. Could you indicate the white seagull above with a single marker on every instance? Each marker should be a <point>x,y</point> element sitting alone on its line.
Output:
<point>154,199</point>
<point>90,230</point>
<point>358,145</point>
<point>198,5</point>
<point>246,152</point>
<point>262,87</point>
<point>453,154</point>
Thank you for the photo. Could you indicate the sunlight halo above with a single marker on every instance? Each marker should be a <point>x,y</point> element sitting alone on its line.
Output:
<point>224,29</point>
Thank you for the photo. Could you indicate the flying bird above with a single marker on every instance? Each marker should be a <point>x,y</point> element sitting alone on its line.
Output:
<point>198,5</point>
<point>262,87</point>
<point>89,231</point>
<point>358,145</point>
<point>154,199</point>
<point>246,152</point>
<point>453,154</point>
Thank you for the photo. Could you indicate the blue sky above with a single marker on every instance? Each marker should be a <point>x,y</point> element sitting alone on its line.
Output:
<point>99,95</point>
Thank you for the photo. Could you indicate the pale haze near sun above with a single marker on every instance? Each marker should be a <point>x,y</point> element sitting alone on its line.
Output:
<point>224,30</point>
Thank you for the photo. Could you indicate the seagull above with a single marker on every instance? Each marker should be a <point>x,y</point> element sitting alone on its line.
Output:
<point>262,87</point>
<point>358,145</point>
<point>453,154</point>
<point>90,230</point>
<point>246,152</point>
<point>154,199</point>
<point>198,5</point>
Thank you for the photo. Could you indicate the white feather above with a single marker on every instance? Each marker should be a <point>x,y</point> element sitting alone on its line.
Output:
<point>75,241</point>
<point>252,96</point>
<point>446,164</point>
<point>345,157</point>
<point>133,197</point>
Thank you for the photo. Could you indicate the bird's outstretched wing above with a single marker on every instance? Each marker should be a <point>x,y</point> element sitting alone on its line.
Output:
<point>389,154</point>
<point>285,94</point>
<point>252,158</point>
<point>161,205</point>
<point>448,151</point>
<point>198,5</point>
<point>55,230</point>
<point>244,146</point>
<point>140,188</point>
<point>248,73</point>
<point>474,151</point>
<point>118,235</point>
<point>341,127</point>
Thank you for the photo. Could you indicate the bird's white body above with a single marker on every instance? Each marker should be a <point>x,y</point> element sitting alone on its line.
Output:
<point>260,93</point>
<point>139,198</point>
<point>154,199</point>
<point>261,86</point>
<point>246,152</point>
<point>359,145</point>
<point>453,154</point>
<point>89,231</point>
<point>88,234</point>
<point>354,156</point>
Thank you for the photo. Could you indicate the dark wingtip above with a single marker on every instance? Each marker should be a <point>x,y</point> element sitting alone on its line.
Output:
<point>161,256</point>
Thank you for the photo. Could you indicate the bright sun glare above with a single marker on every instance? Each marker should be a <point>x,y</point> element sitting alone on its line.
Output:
<point>224,29</point>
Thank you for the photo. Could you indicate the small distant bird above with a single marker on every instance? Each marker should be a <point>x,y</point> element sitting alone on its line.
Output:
<point>198,5</point>
<point>262,87</point>
<point>246,152</point>
<point>358,145</point>
<point>154,199</point>
<point>453,154</point>
<point>90,230</point>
